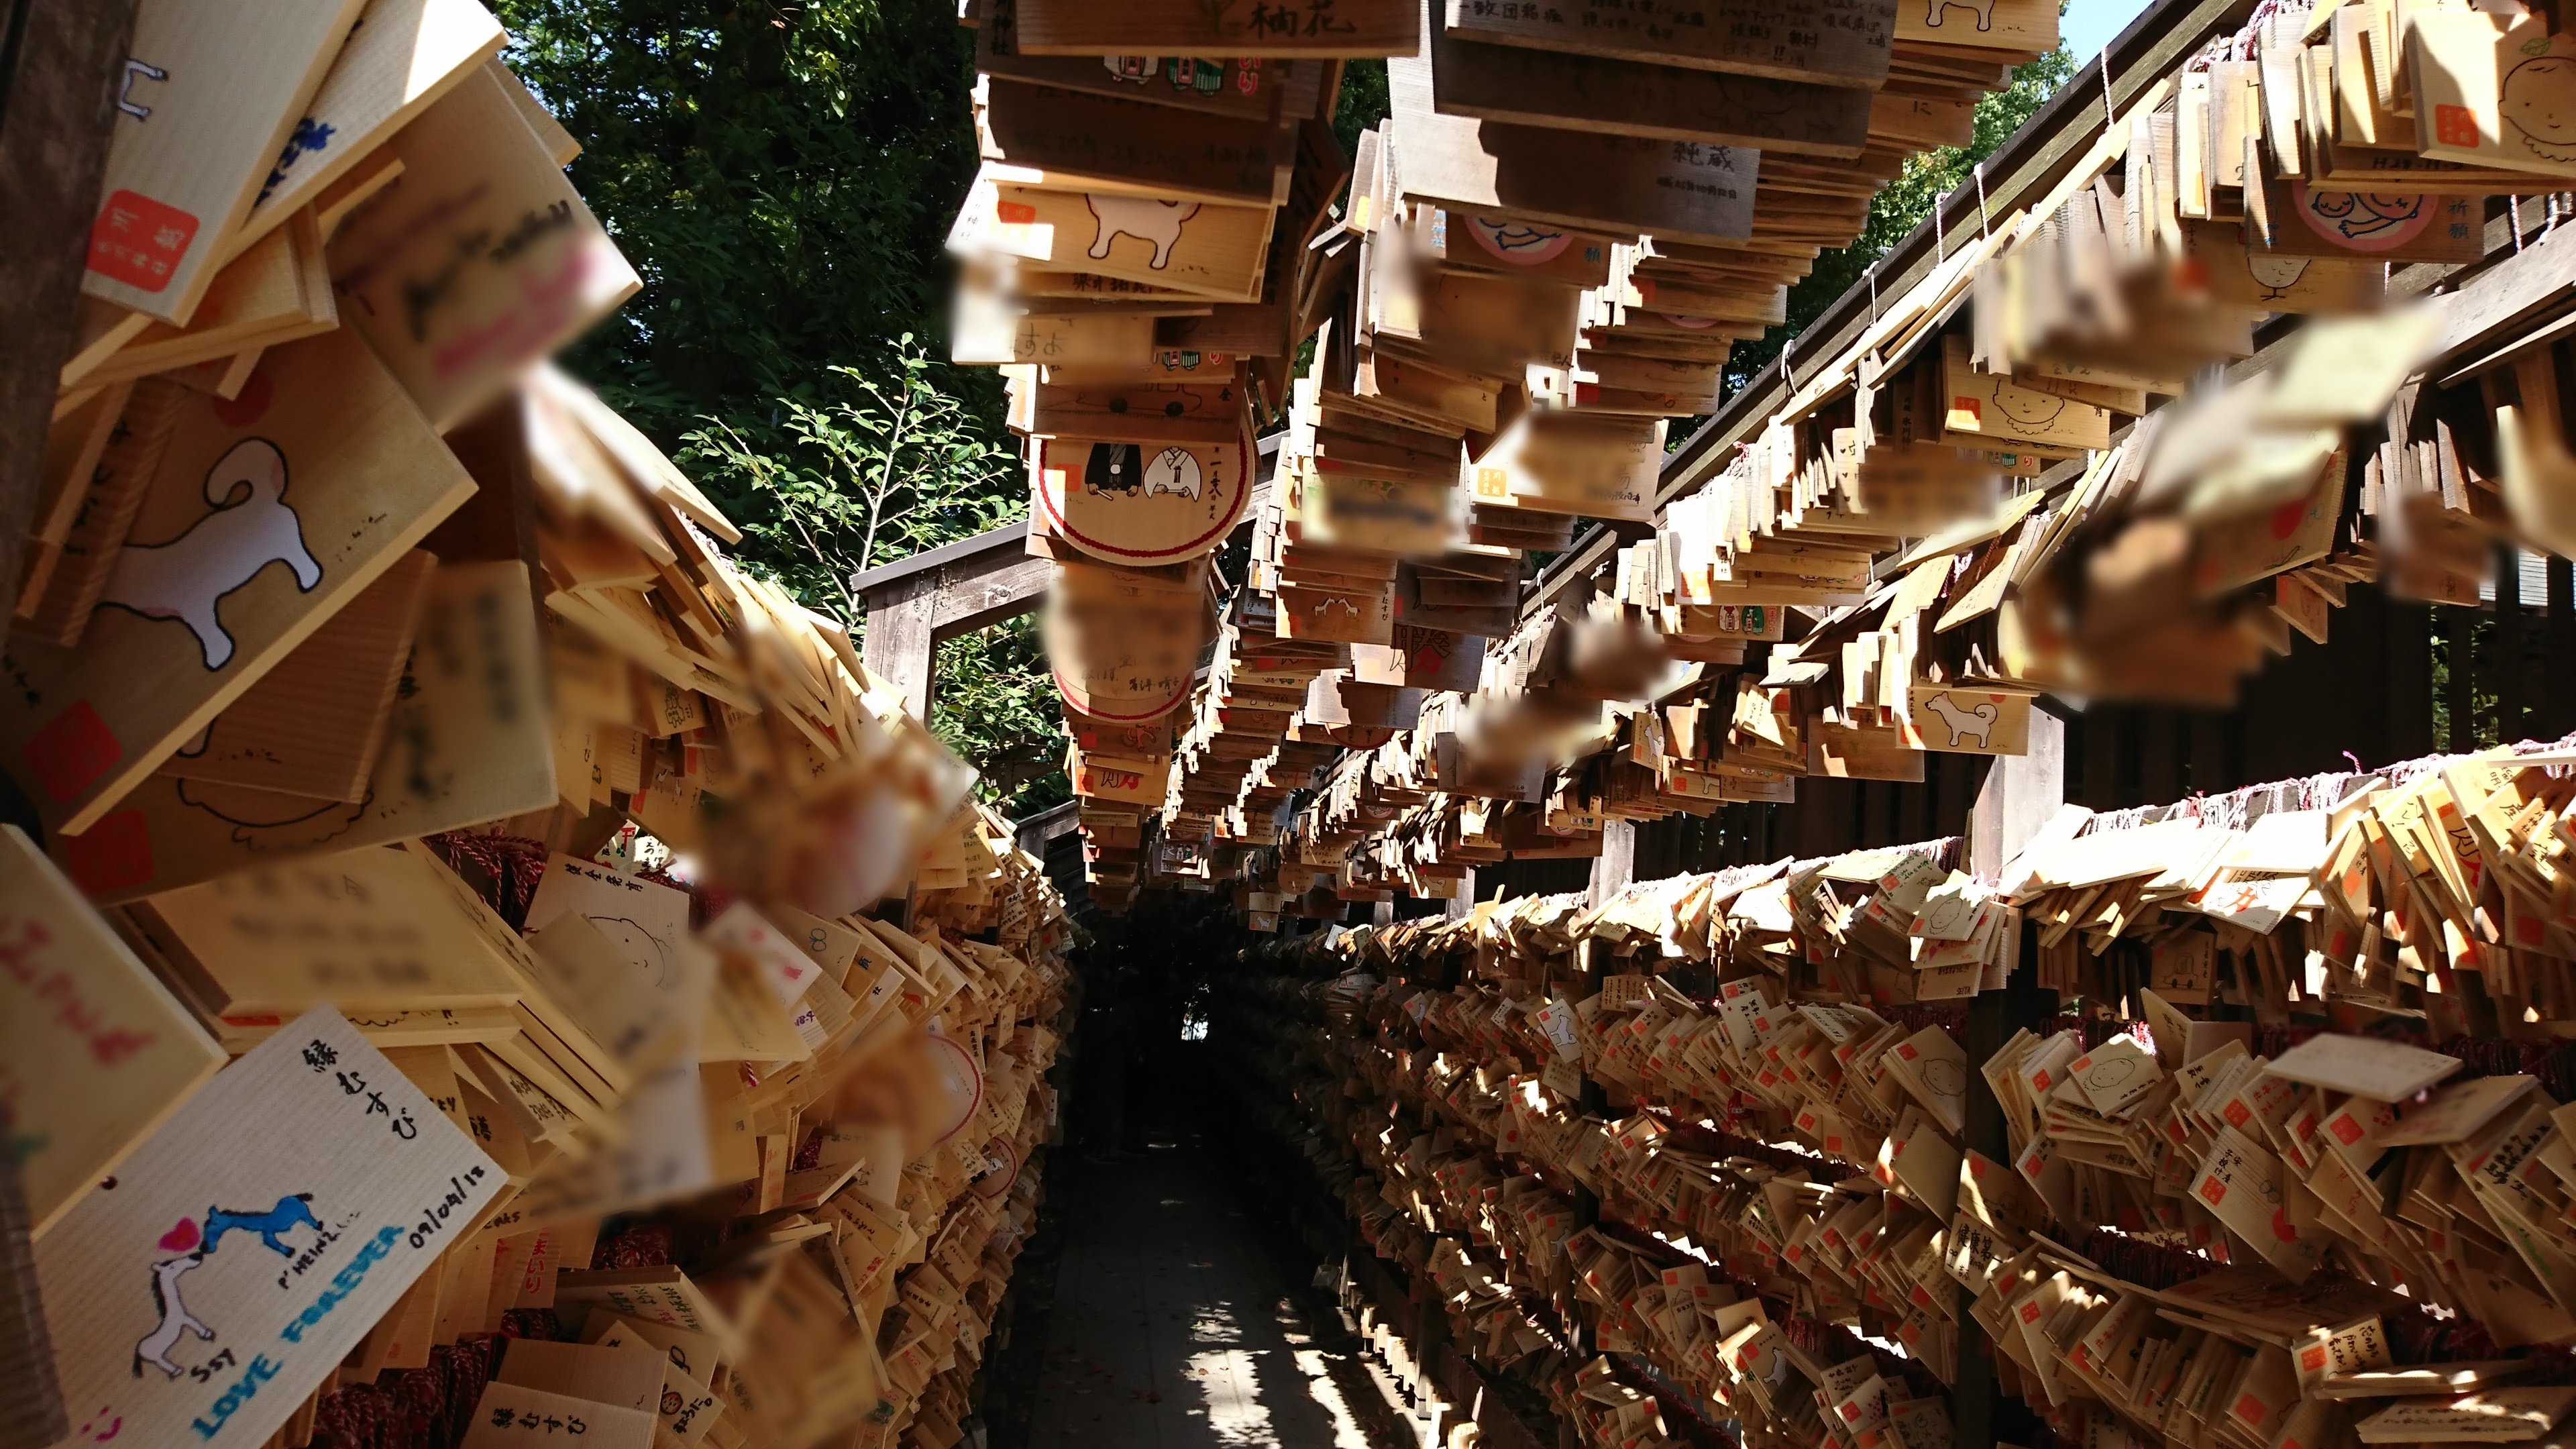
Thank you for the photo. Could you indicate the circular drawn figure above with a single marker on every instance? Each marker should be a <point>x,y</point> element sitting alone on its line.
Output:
<point>1515,242</point>
<point>2362,221</point>
<point>2539,104</point>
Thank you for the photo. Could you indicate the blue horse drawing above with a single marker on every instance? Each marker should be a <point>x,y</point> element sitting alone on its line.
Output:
<point>291,1211</point>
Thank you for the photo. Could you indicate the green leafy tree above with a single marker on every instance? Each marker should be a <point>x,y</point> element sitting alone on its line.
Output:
<point>1899,206</point>
<point>782,177</point>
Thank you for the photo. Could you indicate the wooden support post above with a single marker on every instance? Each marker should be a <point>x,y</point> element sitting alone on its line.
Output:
<point>2021,792</point>
<point>2508,666</point>
<point>2558,702</point>
<point>2459,633</point>
<point>60,64</point>
<point>1979,1413</point>
<point>954,589</point>
<point>1617,863</point>
<point>898,644</point>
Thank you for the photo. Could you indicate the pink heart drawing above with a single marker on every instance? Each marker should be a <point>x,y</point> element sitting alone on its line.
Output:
<point>181,1237</point>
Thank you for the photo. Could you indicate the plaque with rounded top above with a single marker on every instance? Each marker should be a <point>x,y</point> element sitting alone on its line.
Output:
<point>1121,654</point>
<point>1142,503</point>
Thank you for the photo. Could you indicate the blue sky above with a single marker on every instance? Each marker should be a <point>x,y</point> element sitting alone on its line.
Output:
<point>2090,24</point>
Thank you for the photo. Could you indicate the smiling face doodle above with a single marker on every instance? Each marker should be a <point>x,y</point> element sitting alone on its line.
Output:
<point>2540,106</point>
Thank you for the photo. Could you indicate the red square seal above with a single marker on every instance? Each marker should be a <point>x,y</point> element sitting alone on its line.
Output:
<point>114,854</point>
<point>2455,126</point>
<point>137,240</point>
<point>72,750</point>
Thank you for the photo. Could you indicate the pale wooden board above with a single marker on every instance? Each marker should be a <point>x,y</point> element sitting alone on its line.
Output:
<point>403,56</point>
<point>1113,144</point>
<point>1202,250</point>
<point>1557,463</point>
<point>1157,27</point>
<point>467,741</point>
<point>1624,99</point>
<point>235,75</point>
<point>311,726</point>
<point>1131,503</point>
<point>478,260</point>
<point>1792,39</point>
<point>1615,184</point>
<point>559,143</point>
<point>319,477</point>
<point>94,1050</point>
<point>370,929</point>
<point>274,292</point>
<point>297,1116</point>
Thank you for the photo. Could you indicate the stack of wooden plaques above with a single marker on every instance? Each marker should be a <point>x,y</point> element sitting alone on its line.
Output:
<point>1136,254</point>
<point>2284,1170</point>
<point>446,848</point>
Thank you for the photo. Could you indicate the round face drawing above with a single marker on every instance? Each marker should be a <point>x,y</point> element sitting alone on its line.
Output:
<point>2540,105</point>
<point>2026,410</point>
<point>2363,221</point>
<point>1516,243</point>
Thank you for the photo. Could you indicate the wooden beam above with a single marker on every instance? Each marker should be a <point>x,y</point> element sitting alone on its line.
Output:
<point>971,600</point>
<point>898,644</point>
<point>59,70</point>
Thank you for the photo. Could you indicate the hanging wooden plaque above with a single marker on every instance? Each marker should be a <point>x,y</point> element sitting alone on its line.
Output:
<point>467,740</point>
<point>1244,88</point>
<point>1198,248</point>
<point>1989,405</point>
<point>1157,414</point>
<point>479,261</point>
<point>1120,656</point>
<point>403,56</point>
<point>1138,503</point>
<point>1269,27</point>
<point>1969,722</point>
<point>1372,516</point>
<point>1622,184</point>
<point>1556,462</point>
<point>254,1240</point>
<point>2390,226</point>
<point>209,94</point>
<point>2215,257</point>
<point>1466,241</point>
<point>1091,141</point>
<point>1803,40</point>
<point>94,1051</point>
<point>267,513</point>
<point>2492,94</point>
<point>2001,25</point>
<point>1620,98</point>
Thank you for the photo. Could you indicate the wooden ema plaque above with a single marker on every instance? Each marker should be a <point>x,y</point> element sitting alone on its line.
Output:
<point>208,98</point>
<point>1262,28</point>
<point>1838,44</point>
<point>254,1240</point>
<point>268,513</point>
<point>2377,226</point>
<point>2215,257</point>
<point>1120,655</point>
<point>94,1050</point>
<point>1139,502</point>
<point>1572,463</point>
<point>1966,721</point>
<point>1198,249</point>
<point>467,740</point>
<point>1620,184</point>
<point>480,260</point>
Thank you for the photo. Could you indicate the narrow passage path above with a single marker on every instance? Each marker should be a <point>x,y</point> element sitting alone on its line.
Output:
<point>1172,1328</point>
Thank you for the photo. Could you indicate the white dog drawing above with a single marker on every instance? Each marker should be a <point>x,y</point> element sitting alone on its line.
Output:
<point>1959,719</point>
<point>185,578</point>
<point>1985,12</point>
<point>1173,471</point>
<point>175,1318</point>
<point>1142,217</point>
